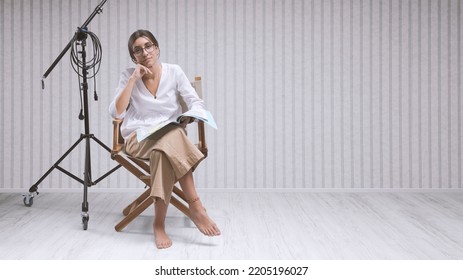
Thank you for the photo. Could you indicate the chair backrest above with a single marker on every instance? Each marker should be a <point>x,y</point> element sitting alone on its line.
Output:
<point>197,84</point>
<point>118,140</point>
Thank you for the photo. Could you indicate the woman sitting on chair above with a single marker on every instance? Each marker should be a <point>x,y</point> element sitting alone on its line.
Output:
<point>148,95</point>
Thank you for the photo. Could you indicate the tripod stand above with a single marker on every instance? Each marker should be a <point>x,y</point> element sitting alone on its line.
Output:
<point>80,39</point>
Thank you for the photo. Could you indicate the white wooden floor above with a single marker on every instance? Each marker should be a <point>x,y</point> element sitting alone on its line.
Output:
<point>254,226</point>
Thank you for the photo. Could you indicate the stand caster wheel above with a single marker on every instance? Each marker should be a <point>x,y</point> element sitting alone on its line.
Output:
<point>85,219</point>
<point>28,200</point>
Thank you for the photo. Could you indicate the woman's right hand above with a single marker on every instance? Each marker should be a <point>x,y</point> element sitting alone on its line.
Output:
<point>140,71</point>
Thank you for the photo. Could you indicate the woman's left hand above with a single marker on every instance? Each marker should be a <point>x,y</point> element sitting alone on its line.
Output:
<point>184,121</point>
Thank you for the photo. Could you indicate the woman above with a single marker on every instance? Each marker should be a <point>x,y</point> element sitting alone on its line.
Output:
<point>148,95</point>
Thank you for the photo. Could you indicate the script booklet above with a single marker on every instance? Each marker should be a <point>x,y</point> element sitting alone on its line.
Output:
<point>201,115</point>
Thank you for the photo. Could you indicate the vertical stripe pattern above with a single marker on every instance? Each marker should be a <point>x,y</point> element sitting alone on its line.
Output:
<point>307,94</point>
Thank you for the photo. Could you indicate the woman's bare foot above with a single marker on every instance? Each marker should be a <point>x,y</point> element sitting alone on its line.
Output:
<point>201,219</point>
<point>160,237</point>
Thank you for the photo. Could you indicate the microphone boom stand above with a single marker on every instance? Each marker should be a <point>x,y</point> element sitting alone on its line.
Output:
<point>87,182</point>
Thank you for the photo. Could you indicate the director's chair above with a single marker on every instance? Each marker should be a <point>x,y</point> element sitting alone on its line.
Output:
<point>141,169</point>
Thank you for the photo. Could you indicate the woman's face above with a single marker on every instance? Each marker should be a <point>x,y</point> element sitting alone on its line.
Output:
<point>145,52</point>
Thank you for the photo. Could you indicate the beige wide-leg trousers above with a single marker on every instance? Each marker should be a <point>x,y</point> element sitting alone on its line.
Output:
<point>171,155</point>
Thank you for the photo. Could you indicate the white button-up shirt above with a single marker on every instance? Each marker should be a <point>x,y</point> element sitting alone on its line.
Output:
<point>145,110</point>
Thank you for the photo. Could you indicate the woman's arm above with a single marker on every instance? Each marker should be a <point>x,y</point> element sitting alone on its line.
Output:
<point>122,100</point>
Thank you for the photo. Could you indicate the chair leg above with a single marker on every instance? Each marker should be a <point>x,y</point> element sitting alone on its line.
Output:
<point>136,202</point>
<point>144,201</point>
<point>180,206</point>
<point>180,193</point>
<point>134,213</point>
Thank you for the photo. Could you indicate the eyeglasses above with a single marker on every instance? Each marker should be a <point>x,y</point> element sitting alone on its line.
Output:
<point>138,52</point>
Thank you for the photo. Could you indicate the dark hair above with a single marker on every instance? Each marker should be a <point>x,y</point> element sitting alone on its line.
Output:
<point>141,33</point>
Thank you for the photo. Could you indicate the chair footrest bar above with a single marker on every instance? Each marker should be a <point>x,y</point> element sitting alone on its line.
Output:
<point>136,202</point>
<point>133,214</point>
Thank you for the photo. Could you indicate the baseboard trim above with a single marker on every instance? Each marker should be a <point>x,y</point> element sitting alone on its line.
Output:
<point>260,190</point>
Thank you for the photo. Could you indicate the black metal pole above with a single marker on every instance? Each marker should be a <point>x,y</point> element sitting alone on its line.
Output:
<point>97,10</point>
<point>87,175</point>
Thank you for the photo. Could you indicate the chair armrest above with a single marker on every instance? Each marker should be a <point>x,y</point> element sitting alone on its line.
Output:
<point>202,146</point>
<point>118,140</point>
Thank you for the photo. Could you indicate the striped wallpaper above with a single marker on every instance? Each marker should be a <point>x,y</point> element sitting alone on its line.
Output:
<point>317,95</point>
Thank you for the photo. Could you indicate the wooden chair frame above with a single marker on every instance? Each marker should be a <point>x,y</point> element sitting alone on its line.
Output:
<point>141,169</point>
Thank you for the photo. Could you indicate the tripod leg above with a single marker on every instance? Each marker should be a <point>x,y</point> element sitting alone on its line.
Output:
<point>101,143</point>
<point>28,198</point>
<point>109,151</point>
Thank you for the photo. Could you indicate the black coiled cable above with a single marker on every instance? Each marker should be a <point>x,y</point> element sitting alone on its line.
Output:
<point>93,63</point>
